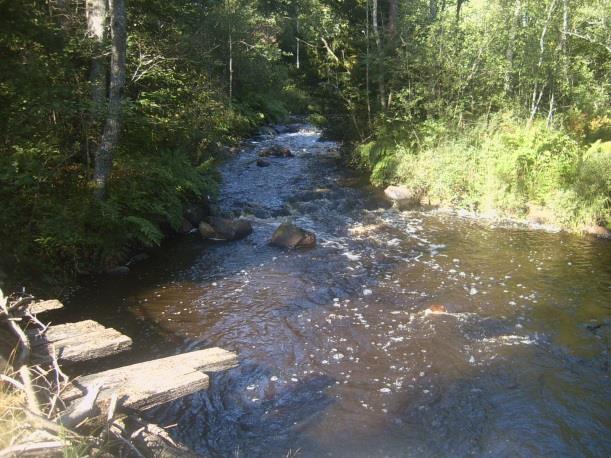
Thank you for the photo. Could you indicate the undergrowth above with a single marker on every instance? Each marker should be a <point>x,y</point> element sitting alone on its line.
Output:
<point>500,166</point>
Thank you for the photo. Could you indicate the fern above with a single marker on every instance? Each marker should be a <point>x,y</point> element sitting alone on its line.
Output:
<point>146,232</point>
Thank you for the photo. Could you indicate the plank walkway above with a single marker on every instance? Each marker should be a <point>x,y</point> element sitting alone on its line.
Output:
<point>152,383</point>
<point>77,342</point>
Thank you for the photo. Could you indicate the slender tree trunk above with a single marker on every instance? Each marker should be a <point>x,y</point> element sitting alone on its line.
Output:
<point>230,70</point>
<point>563,40</point>
<point>112,127</point>
<point>376,34</point>
<point>458,7</point>
<point>433,10</point>
<point>96,11</point>
<point>536,100</point>
<point>367,88</point>
<point>511,46</point>
<point>297,63</point>
<point>393,11</point>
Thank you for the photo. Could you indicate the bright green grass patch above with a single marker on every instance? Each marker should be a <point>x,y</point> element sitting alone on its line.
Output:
<point>500,166</point>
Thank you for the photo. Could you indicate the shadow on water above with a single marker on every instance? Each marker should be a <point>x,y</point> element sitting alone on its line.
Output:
<point>337,354</point>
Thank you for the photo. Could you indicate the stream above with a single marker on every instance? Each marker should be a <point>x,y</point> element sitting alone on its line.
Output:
<point>338,356</point>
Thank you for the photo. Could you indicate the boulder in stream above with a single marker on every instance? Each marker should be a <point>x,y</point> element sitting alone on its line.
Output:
<point>290,236</point>
<point>206,231</point>
<point>276,151</point>
<point>228,229</point>
<point>263,163</point>
<point>402,196</point>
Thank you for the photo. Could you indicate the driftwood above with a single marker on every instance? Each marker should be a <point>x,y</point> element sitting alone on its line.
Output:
<point>154,441</point>
<point>149,384</point>
<point>76,342</point>
<point>48,448</point>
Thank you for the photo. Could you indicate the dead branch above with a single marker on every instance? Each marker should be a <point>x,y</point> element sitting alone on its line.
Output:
<point>38,448</point>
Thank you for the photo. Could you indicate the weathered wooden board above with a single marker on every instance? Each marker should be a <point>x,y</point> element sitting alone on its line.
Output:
<point>152,383</point>
<point>45,306</point>
<point>77,342</point>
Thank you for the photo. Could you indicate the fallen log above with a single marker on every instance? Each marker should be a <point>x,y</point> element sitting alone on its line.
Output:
<point>152,383</point>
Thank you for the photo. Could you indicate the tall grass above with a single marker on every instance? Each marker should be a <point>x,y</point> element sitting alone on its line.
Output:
<point>500,166</point>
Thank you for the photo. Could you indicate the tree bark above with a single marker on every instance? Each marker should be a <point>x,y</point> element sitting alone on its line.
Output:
<point>458,7</point>
<point>367,87</point>
<point>433,10</point>
<point>112,127</point>
<point>511,46</point>
<point>376,34</point>
<point>393,11</point>
<point>96,11</point>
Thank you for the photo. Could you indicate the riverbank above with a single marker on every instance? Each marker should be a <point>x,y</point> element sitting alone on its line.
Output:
<point>499,168</point>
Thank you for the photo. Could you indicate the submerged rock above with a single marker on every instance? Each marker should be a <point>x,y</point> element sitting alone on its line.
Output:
<point>402,196</point>
<point>276,151</point>
<point>267,131</point>
<point>290,236</point>
<point>263,163</point>
<point>119,270</point>
<point>436,309</point>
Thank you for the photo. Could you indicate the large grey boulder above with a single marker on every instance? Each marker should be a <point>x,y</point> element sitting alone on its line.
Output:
<point>290,236</point>
<point>402,196</point>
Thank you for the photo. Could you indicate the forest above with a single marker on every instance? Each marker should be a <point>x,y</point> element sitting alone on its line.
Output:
<point>114,114</point>
<point>280,228</point>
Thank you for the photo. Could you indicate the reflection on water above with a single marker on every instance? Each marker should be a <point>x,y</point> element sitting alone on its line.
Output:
<point>339,358</point>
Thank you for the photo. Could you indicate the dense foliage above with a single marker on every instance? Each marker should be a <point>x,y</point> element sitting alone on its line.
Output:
<point>178,110</point>
<point>499,105</point>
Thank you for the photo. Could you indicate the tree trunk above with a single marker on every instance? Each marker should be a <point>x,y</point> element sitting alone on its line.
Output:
<point>433,10</point>
<point>376,34</point>
<point>563,40</point>
<point>112,127</point>
<point>511,46</point>
<point>297,63</point>
<point>393,11</point>
<point>230,70</point>
<point>458,7</point>
<point>367,89</point>
<point>96,11</point>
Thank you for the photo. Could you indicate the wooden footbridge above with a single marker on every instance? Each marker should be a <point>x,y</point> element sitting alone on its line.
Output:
<point>139,386</point>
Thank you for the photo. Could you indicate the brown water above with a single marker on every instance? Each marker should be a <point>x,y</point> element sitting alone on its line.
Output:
<point>338,358</point>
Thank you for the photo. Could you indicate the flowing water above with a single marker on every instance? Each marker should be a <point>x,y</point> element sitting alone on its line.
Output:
<point>337,354</point>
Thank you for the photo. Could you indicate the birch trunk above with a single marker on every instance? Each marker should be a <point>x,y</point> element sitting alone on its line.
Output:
<point>376,34</point>
<point>96,11</point>
<point>112,127</point>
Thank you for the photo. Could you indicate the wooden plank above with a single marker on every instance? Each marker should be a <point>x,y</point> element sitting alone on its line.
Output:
<point>45,306</point>
<point>152,383</point>
<point>77,342</point>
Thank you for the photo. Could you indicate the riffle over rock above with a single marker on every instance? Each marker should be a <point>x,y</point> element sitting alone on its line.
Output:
<point>276,151</point>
